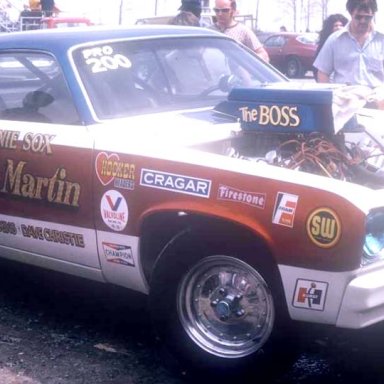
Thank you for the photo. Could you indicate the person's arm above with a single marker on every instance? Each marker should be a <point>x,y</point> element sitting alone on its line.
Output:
<point>262,53</point>
<point>322,77</point>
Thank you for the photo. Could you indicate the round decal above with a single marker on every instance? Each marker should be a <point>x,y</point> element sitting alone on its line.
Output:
<point>324,228</point>
<point>114,210</point>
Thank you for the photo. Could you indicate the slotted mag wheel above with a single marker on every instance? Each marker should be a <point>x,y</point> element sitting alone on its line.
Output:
<point>226,307</point>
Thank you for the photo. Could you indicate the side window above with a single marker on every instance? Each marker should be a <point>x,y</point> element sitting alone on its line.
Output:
<point>275,41</point>
<point>193,70</point>
<point>32,88</point>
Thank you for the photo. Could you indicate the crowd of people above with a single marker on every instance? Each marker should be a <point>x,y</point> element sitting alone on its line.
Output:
<point>225,11</point>
<point>32,12</point>
<point>349,51</point>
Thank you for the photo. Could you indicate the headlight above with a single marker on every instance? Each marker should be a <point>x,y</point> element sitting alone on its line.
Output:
<point>374,238</point>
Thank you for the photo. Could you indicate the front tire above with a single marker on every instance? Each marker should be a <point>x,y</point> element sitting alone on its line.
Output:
<point>225,307</point>
<point>219,314</point>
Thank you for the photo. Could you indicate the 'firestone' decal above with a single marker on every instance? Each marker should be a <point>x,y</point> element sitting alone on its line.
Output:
<point>253,199</point>
<point>310,294</point>
<point>324,228</point>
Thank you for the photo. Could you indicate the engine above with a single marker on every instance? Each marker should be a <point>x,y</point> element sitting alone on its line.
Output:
<point>305,130</point>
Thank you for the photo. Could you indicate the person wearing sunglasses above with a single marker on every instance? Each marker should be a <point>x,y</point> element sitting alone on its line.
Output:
<point>354,55</point>
<point>331,24</point>
<point>225,11</point>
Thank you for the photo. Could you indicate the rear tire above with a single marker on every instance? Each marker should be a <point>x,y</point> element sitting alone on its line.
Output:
<point>294,68</point>
<point>218,313</point>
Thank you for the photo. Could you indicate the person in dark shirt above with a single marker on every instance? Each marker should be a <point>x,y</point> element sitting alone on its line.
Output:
<point>47,7</point>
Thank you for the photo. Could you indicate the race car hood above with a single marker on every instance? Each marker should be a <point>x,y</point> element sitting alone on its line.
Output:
<point>175,129</point>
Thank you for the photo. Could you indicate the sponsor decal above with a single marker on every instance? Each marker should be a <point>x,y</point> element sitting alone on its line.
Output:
<point>8,139</point>
<point>109,168</point>
<point>276,115</point>
<point>324,228</point>
<point>285,209</point>
<point>8,227</point>
<point>119,254</point>
<point>310,294</point>
<point>53,235</point>
<point>32,142</point>
<point>238,196</point>
<point>175,183</point>
<point>114,210</point>
<point>54,189</point>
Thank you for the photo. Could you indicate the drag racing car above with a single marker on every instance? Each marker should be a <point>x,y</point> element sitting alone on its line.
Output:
<point>174,162</point>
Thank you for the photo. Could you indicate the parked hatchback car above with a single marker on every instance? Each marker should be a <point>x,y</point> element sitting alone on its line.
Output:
<point>292,53</point>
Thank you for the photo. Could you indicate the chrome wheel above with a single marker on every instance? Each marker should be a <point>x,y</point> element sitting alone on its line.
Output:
<point>293,68</point>
<point>226,307</point>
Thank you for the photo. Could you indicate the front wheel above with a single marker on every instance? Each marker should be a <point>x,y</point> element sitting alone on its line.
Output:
<point>219,314</point>
<point>225,307</point>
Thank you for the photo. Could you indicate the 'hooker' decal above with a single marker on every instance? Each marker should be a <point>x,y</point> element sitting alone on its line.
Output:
<point>109,167</point>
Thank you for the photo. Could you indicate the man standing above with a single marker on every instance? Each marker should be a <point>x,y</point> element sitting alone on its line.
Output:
<point>354,55</point>
<point>194,7</point>
<point>225,11</point>
<point>47,7</point>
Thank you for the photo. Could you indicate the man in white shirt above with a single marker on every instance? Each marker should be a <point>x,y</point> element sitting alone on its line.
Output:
<point>354,55</point>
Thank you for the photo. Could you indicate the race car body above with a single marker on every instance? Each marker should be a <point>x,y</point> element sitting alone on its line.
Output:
<point>173,162</point>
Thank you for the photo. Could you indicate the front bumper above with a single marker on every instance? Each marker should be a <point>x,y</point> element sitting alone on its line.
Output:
<point>363,301</point>
<point>350,299</point>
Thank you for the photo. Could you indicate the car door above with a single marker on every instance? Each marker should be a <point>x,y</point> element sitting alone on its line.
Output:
<point>45,167</point>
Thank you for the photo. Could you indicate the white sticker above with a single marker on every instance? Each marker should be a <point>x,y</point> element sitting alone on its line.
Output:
<point>310,294</point>
<point>114,210</point>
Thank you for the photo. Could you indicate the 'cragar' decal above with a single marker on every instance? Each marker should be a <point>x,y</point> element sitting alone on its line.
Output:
<point>109,167</point>
<point>323,227</point>
<point>54,189</point>
<point>114,210</point>
<point>175,183</point>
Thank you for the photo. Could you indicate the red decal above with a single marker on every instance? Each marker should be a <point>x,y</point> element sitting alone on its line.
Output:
<point>104,167</point>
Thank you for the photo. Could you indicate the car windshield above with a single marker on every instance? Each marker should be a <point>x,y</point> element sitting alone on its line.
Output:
<point>308,38</point>
<point>128,77</point>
